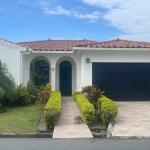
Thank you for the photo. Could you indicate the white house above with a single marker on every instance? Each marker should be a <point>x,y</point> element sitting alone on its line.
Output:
<point>120,67</point>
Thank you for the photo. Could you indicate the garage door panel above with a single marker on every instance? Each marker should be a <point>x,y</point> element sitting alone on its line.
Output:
<point>123,81</point>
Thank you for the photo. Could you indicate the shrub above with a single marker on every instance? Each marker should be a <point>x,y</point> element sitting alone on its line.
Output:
<point>20,96</point>
<point>43,94</point>
<point>52,109</point>
<point>86,108</point>
<point>6,80</point>
<point>78,92</point>
<point>6,84</point>
<point>33,91</point>
<point>93,93</point>
<point>108,109</point>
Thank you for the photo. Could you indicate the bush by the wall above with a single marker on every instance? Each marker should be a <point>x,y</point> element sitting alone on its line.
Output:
<point>20,96</point>
<point>52,109</point>
<point>6,84</point>
<point>33,91</point>
<point>78,92</point>
<point>43,94</point>
<point>86,108</point>
<point>108,109</point>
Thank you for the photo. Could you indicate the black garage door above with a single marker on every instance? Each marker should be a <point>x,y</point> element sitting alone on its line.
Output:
<point>123,81</point>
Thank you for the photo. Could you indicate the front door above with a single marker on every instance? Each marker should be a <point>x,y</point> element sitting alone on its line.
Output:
<point>65,78</point>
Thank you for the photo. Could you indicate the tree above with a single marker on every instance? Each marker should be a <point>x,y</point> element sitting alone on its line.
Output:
<point>6,80</point>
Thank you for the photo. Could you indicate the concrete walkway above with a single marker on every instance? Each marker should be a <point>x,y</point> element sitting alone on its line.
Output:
<point>133,120</point>
<point>65,127</point>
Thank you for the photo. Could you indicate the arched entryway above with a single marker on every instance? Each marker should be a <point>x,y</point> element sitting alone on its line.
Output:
<point>66,75</point>
<point>39,71</point>
<point>65,78</point>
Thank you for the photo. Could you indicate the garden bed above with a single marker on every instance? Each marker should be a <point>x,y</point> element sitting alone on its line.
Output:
<point>97,110</point>
<point>52,110</point>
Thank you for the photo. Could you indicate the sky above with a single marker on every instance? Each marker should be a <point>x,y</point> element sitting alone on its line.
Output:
<point>29,20</point>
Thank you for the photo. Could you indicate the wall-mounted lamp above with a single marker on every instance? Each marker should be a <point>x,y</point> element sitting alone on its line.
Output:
<point>88,60</point>
<point>53,68</point>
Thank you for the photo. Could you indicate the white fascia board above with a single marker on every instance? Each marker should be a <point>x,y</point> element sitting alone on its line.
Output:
<point>47,52</point>
<point>81,49</point>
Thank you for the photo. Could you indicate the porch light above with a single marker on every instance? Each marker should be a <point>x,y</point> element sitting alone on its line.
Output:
<point>88,60</point>
<point>53,68</point>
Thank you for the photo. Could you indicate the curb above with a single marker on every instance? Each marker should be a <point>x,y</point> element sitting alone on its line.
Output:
<point>26,135</point>
<point>110,129</point>
<point>130,137</point>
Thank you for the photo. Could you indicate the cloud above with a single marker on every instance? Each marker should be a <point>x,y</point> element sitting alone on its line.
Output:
<point>92,17</point>
<point>59,10</point>
<point>44,3</point>
<point>130,16</point>
<point>103,3</point>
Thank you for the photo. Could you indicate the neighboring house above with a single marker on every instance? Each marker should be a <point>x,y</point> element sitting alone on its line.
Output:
<point>120,67</point>
<point>10,54</point>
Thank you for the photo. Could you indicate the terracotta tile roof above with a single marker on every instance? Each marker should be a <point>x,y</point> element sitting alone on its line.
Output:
<point>54,45</point>
<point>118,43</point>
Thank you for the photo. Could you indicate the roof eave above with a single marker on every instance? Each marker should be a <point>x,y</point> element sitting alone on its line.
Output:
<point>47,52</point>
<point>109,49</point>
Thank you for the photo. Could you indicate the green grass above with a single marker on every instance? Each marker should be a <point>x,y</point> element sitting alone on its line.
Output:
<point>20,119</point>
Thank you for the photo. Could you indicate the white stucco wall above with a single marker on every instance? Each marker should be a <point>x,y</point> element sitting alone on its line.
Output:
<point>53,59</point>
<point>10,55</point>
<point>83,74</point>
<point>18,62</point>
<point>109,56</point>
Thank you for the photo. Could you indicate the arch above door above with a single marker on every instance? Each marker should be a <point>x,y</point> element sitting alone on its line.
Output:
<point>66,76</point>
<point>40,71</point>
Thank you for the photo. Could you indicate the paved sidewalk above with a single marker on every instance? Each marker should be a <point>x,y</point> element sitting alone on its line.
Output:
<point>133,119</point>
<point>65,127</point>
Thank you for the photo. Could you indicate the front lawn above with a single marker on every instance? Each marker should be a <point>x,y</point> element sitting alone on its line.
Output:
<point>20,119</point>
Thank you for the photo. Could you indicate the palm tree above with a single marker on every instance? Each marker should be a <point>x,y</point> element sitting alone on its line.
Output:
<point>6,80</point>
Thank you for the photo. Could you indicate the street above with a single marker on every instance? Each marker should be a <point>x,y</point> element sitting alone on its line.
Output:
<point>73,144</point>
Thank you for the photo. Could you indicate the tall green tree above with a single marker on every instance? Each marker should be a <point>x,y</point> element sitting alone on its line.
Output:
<point>6,80</point>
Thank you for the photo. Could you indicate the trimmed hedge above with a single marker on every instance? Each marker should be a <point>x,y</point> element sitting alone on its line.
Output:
<point>86,108</point>
<point>108,109</point>
<point>52,109</point>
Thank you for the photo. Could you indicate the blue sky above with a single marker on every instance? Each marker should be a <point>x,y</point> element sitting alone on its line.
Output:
<point>25,20</point>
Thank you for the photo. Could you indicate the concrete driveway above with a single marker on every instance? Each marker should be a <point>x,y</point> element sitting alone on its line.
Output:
<point>133,119</point>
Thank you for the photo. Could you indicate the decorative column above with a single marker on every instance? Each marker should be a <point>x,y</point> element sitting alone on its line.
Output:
<point>53,77</point>
<point>78,78</point>
<point>26,74</point>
